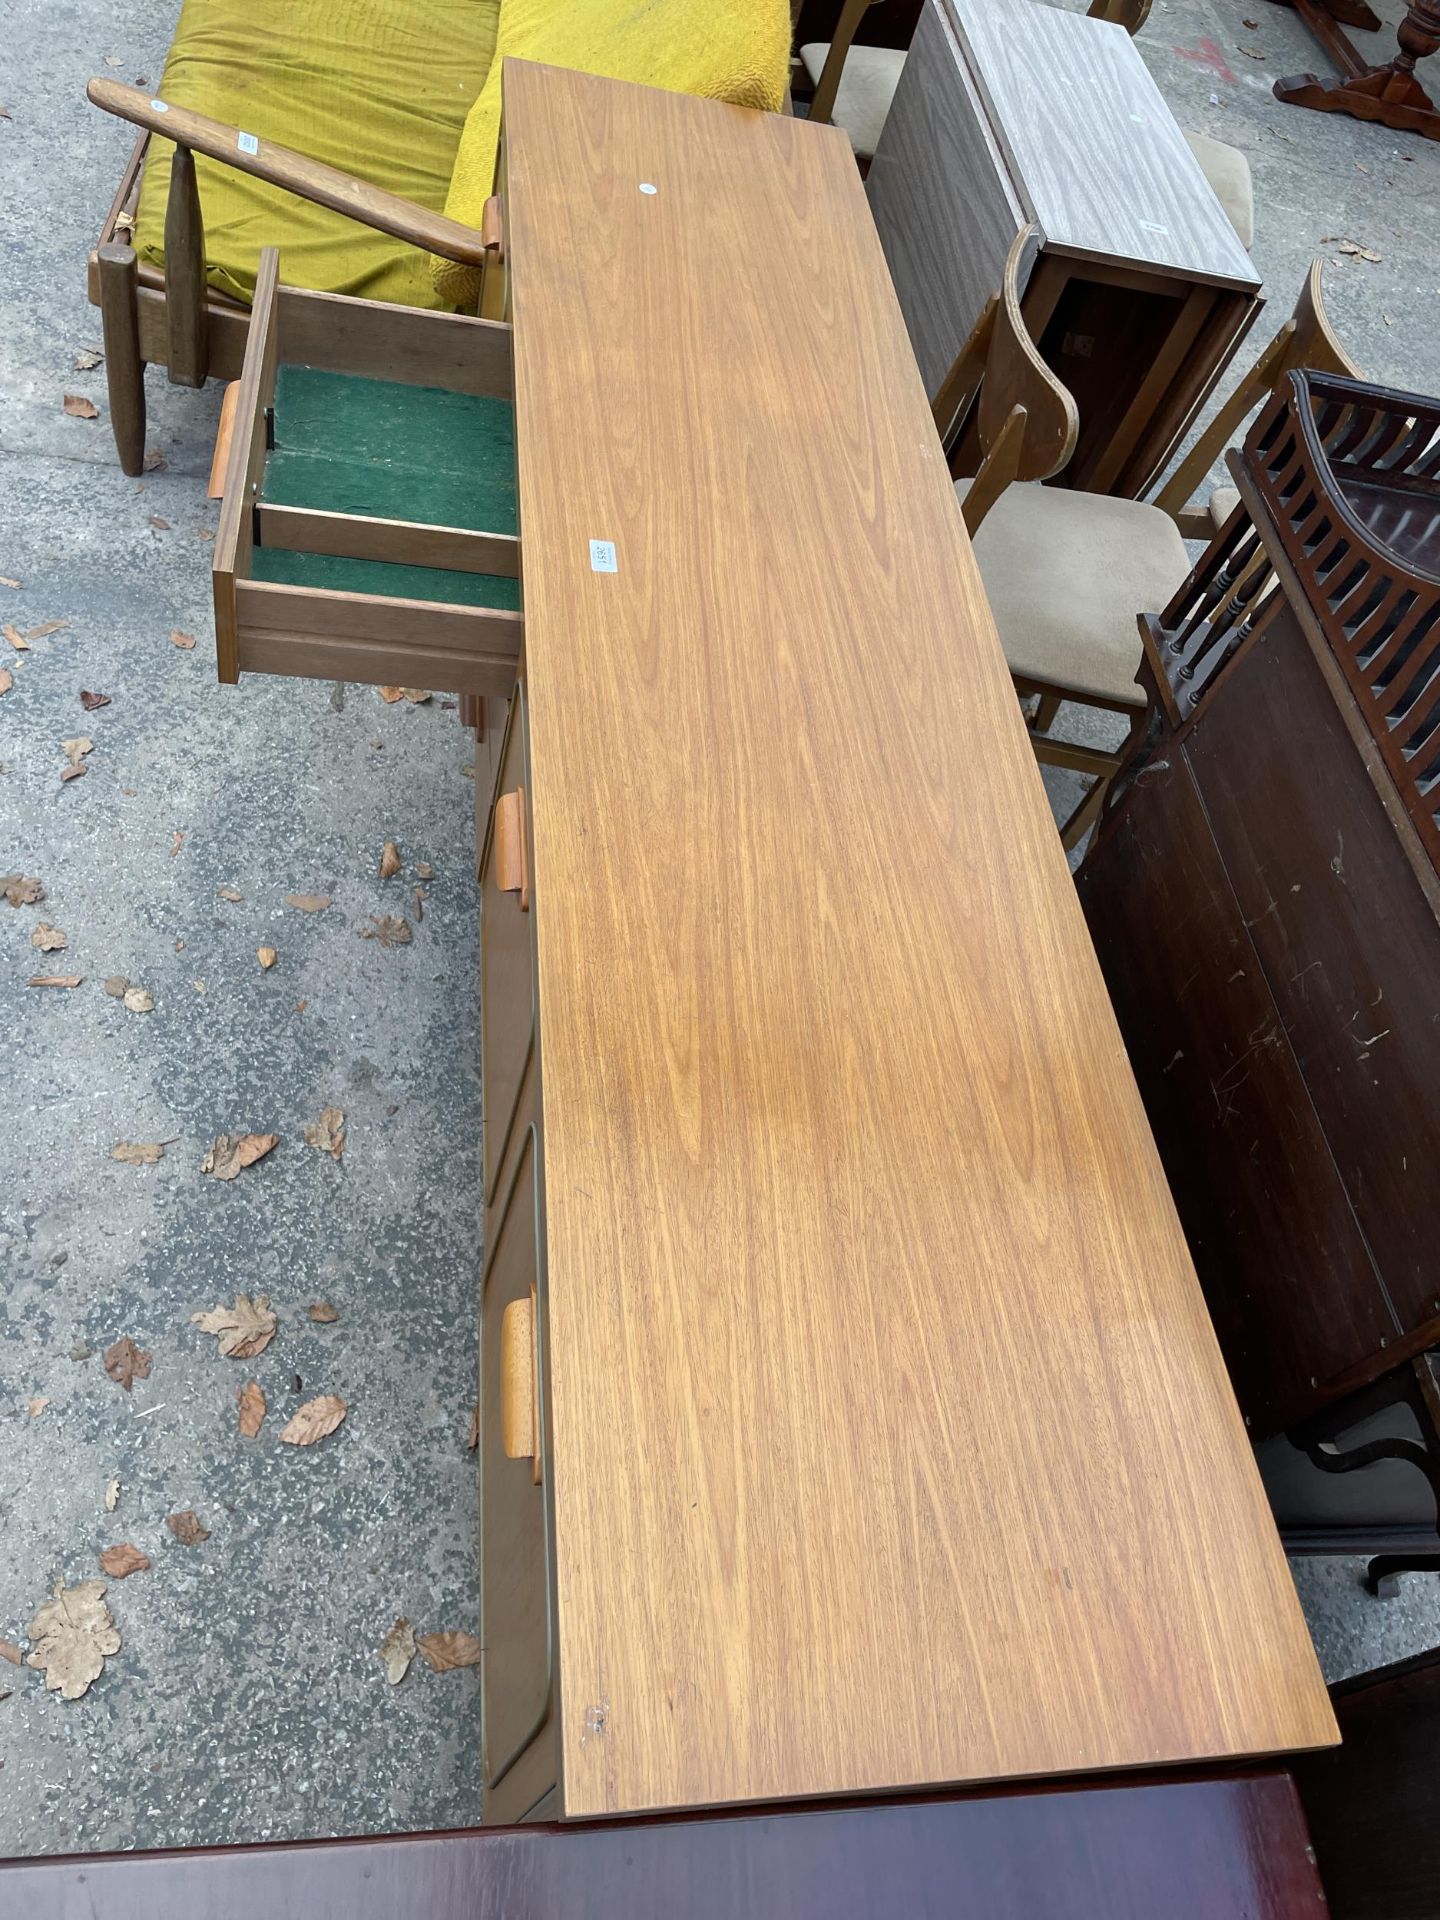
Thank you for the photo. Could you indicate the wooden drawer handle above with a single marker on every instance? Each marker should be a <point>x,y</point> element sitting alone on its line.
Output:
<point>512,866</point>
<point>517,1382</point>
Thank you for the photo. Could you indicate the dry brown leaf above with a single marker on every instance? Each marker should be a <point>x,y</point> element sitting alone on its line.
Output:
<point>314,1420</point>
<point>177,840</point>
<point>16,638</point>
<point>267,956</point>
<point>230,893</point>
<point>37,1404</point>
<point>48,939</point>
<point>138,1000</point>
<point>327,1133</point>
<point>1356,251</point>
<point>392,694</point>
<point>160,526</point>
<point>45,628</point>
<point>90,701</point>
<point>1252,53</point>
<point>56,980</point>
<point>308,902</point>
<point>9,1651</point>
<point>7,580</point>
<point>390,861</point>
<point>322,1313</point>
<point>112,1493</point>
<point>252,1409</point>
<point>139,1153</point>
<point>7,679</point>
<point>446,1651</point>
<point>21,889</point>
<point>472,1439</point>
<point>397,1650</point>
<point>244,1330</point>
<point>185,641</point>
<point>154,459</point>
<point>67,774</point>
<point>126,1363</point>
<point>120,1562</point>
<point>70,1637</point>
<point>79,408</point>
<point>117,986</point>
<point>187,1527</point>
<point>390,929</point>
<point>417,696</point>
<point>232,1151</point>
<point>88,359</point>
<point>424,871</point>
<point>75,750</point>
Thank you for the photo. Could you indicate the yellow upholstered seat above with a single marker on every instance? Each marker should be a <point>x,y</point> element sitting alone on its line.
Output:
<point>380,88</point>
<point>736,50</point>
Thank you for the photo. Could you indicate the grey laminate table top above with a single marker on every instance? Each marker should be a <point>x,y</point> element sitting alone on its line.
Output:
<point>1092,146</point>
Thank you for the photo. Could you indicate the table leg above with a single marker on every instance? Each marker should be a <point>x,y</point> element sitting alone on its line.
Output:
<point>1390,94</point>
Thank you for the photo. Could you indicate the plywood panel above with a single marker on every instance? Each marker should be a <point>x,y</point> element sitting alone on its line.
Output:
<point>891,1442</point>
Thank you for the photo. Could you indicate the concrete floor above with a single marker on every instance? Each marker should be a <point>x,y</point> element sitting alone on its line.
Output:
<point>247,1702</point>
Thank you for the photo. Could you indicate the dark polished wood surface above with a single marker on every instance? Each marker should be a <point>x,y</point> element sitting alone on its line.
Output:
<point>1188,1850</point>
<point>1374,1803</point>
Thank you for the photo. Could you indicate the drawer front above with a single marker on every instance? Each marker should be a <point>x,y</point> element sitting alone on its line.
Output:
<point>507,948</point>
<point>515,1606</point>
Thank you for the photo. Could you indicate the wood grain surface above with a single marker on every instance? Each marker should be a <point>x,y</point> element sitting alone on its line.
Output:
<point>889,1442</point>
<point>1103,168</point>
<point>1194,1850</point>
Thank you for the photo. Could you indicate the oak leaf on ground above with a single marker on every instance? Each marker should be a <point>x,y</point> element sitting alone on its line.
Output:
<point>75,750</point>
<point>185,641</point>
<point>397,1650</point>
<point>308,902</point>
<point>267,956</point>
<point>117,986</point>
<point>390,929</point>
<point>56,980</point>
<point>252,1408</point>
<point>7,679</point>
<point>21,889</point>
<point>119,1562</point>
<point>112,1493</point>
<point>139,999</point>
<point>126,1363</point>
<point>446,1651</point>
<point>79,408</point>
<point>232,1151</point>
<point>45,629</point>
<point>139,1153</point>
<point>90,701</point>
<point>70,1636</point>
<point>9,1651</point>
<point>48,939</point>
<point>37,1404</point>
<point>313,1421</point>
<point>244,1330</point>
<point>15,637</point>
<point>390,861</point>
<point>322,1313</point>
<point>187,1527</point>
<point>229,893</point>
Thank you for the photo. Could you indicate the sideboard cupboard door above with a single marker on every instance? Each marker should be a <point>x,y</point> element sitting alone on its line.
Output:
<point>507,955</point>
<point>516,1670</point>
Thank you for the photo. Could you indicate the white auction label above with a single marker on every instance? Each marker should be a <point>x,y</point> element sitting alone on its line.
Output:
<point>247,143</point>
<point>602,557</point>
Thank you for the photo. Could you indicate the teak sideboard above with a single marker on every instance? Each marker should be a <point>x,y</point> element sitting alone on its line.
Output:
<point>851,1421</point>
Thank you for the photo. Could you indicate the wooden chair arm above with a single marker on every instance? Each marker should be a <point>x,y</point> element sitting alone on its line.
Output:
<point>822,106</point>
<point>296,172</point>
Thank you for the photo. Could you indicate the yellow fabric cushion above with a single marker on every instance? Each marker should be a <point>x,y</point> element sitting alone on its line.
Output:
<point>379,88</point>
<point>736,50</point>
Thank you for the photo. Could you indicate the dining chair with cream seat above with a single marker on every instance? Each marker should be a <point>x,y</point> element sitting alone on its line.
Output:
<point>855,84</point>
<point>1066,573</point>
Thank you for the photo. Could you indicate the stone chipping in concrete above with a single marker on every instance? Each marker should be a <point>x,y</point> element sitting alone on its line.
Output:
<point>247,1702</point>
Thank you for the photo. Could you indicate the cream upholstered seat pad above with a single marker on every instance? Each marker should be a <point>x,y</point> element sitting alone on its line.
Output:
<point>1066,574</point>
<point>1228,172</point>
<point>867,86</point>
<point>1223,502</point>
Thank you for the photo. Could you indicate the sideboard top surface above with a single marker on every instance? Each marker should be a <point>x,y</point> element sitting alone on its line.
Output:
<point>1097,156</point>
<point>888,1441</point>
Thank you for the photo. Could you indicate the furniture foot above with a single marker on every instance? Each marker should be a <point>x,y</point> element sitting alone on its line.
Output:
<point>1353,13</point>
<point>124,369</point>
<point>1382,1576</point>
<point>1391,94</point>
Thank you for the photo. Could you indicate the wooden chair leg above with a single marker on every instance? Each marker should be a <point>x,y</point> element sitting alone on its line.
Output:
<point>1085,815</point>
<point>124,369</point>
<point>185,297</point>
<point>1046,709</point>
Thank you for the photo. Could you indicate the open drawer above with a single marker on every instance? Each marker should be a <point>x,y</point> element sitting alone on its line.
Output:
<point>368,528</point>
